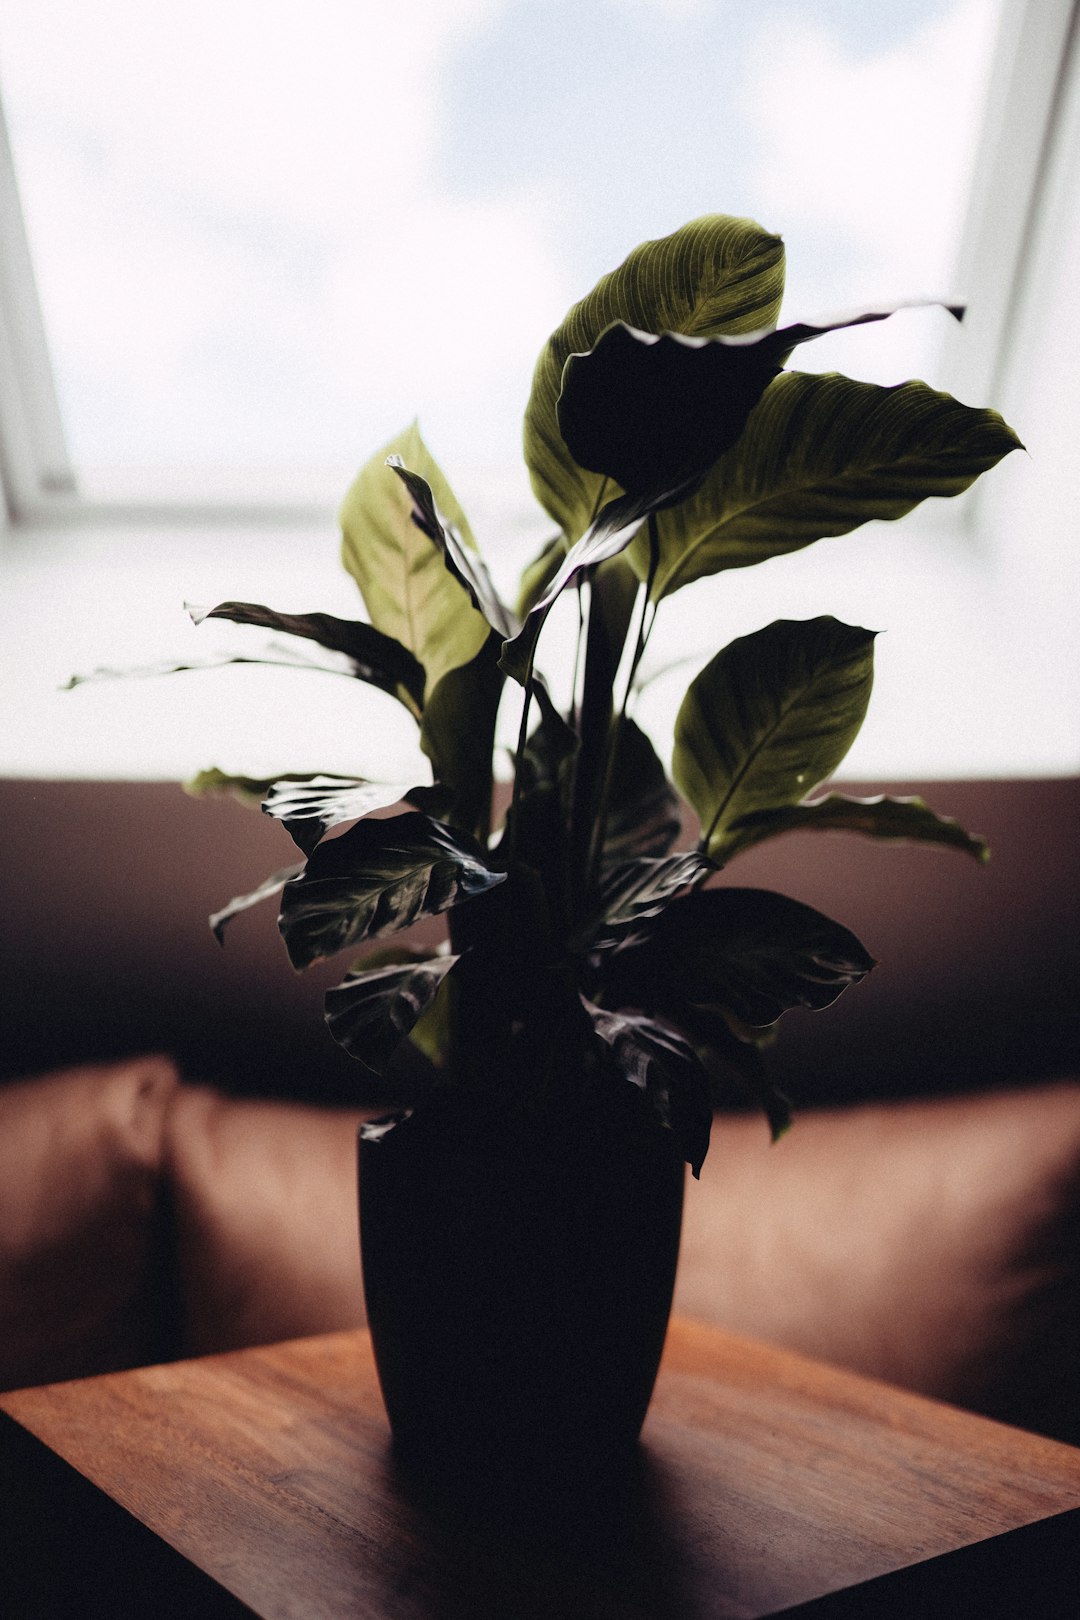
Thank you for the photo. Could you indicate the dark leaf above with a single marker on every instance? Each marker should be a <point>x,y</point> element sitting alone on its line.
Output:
<point>716,274</point>
<point>371,656</point>
<point>653,412</point>
<point>378,877</point>
<point>665,1066</point>
<point>374,1008</point>
<point>242,902</point>
<point>751,954</point>
<point>643,889</point>
<point>464,562</point>
<point>458,734</point>
<point>311,806</point>
<point>880,817</point>
<point>642,808</point>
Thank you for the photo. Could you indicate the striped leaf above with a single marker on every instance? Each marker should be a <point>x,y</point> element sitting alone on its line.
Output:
<point>409,592</point>
<point>767,719</point>
<point>819,456</point>
<point>717,274</point>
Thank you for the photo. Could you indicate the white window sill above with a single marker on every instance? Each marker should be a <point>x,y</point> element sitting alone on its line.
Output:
<point>973,678</point>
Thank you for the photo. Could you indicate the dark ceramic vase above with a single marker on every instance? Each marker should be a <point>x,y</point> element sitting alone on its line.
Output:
<point>518,1292</point>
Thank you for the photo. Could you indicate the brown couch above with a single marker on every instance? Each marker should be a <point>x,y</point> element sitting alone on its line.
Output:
<point>932,1243</point>
<point>920,1222</point>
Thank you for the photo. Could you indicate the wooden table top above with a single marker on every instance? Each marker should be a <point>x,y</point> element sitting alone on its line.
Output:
<point>764,1480</point>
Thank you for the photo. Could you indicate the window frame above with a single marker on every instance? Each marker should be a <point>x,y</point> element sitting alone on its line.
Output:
<point>1034,57</point>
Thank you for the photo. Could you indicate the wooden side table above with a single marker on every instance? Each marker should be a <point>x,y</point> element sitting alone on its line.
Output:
<point>263,1481</point>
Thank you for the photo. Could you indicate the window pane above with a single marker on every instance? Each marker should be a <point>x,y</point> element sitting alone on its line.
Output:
<point>266,238</point>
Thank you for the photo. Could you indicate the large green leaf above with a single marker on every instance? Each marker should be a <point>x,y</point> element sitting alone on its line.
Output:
<point>409,592</point>
<point>819,456</point>
<point>880,817</point>
<point>716,274</point>
<point>373,1008</point>
<point>378,877</point>
<point>768,718</point>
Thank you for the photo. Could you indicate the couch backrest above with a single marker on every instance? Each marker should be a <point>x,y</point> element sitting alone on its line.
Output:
<point>105,948</point>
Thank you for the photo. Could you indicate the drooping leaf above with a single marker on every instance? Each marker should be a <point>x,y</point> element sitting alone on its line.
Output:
<point>819,456</point>
<point>311,806</point>
<point>465,563</point>
<point>274,884</point>
<point>611,533</point>
<point>653,410</point>
<point>458,733</point>
<point>748,954</point>
<point>366,653</point>
<point>378,877</point>
<point>769,718</point>
<point>273,655</point>
<point>409,592</point>
<point>716,274</point>
<point>665,1066</point>
<point>249,790</point>
<point>372,1009</point>
<point>879,817</point>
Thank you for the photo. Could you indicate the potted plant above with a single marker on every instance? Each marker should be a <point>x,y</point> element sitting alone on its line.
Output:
<point>520,1216</point>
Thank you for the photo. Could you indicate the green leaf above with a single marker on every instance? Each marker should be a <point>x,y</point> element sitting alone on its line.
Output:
<point>458,736</point>
<point>466,565</point>
<point>373,1009</point>
<point>819,456</point>
<point>309,807</point>
<point>880,817</point>
<point>272,885</point>
<point>716,274</point>
<point>409,592</point>
<point>665,1066</point>
<point>378,877</point>
<point>366,653</point>
<point>768,718</point>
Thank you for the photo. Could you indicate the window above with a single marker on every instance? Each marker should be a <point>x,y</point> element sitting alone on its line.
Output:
<point>250,249</point>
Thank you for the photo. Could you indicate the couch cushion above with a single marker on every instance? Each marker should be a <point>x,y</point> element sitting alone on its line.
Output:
<point>266,1219</point>
<point>80,1260</point>
<point>932,1244</point>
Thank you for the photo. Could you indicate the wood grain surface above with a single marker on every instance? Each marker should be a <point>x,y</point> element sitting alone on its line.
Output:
<point>763,1480</point>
